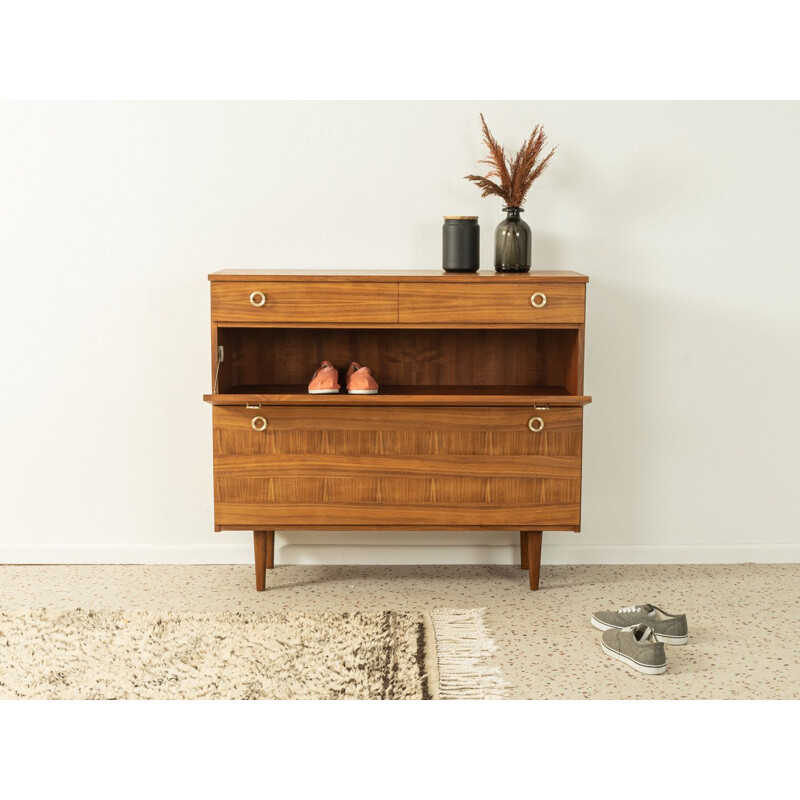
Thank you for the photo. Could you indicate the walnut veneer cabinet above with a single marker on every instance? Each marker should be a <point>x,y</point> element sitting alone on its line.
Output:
<point>478,424</point>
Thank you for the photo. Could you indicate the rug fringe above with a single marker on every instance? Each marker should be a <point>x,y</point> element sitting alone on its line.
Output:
<point>463,649</point>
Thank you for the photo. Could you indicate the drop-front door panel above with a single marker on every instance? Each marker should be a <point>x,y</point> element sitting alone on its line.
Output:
<point>284,467</point>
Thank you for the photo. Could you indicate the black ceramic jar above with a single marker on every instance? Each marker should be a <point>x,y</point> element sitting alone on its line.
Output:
<point>461,244</point>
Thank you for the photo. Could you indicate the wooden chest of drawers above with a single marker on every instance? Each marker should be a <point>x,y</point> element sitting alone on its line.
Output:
<point>477,425</point>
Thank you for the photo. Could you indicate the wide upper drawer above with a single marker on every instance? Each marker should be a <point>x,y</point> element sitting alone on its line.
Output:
<point>514,302</point>
<point>303,301</point>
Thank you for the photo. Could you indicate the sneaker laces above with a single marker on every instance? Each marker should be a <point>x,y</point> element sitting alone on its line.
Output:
<point>630,609</point>
<point>647,630</point>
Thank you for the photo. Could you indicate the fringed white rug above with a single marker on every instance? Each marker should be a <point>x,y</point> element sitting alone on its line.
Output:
<point>272,655</point>
<point>463,656</point>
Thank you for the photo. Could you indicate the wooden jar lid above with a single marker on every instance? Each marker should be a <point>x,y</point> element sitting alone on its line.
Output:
<point>461,218</point>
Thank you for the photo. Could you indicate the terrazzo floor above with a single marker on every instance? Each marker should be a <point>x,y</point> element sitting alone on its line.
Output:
<point>743,618</point>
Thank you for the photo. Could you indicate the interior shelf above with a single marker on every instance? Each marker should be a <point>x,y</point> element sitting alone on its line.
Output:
<point>402,395</point>
<point>413,367</point>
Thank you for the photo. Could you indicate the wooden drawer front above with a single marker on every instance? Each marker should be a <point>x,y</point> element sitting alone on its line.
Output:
<point>478,467</point>
<point>303,301</point>
<point>562,302</point>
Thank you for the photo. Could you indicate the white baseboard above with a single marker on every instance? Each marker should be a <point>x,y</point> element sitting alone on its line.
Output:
<point>307,549</point>
<point>671,554</point>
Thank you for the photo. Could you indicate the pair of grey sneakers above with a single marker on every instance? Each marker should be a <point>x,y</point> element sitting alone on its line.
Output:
<point>636,635</point>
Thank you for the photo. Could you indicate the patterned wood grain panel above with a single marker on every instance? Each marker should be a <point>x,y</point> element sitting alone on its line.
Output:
<point>474,516</point>
<point>506,491</point>
<point>559,302</point>
<point>446,466</point>
<point>444,418</point>
<point>311,301</point>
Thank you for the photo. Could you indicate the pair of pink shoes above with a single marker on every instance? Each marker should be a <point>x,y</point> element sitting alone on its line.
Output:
<point>358,380</point>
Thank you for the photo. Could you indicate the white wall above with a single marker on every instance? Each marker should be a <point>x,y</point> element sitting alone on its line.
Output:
<point>686,216</point>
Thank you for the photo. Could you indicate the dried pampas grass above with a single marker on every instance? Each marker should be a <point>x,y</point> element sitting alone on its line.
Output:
<point>514,176</point>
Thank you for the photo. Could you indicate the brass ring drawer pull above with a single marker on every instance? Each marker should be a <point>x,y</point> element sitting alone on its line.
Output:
<point>538,300</point>
<point>258,424</point>
<point>258,299</point>
<point>536,424</point>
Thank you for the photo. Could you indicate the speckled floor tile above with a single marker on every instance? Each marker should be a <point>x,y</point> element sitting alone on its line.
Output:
<point>743,618</point>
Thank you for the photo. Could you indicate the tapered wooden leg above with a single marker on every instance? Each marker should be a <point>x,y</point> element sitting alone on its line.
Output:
<point>534,557</point>
<point>270,549</point>
<point>523,549</point>
<point>264,547</point>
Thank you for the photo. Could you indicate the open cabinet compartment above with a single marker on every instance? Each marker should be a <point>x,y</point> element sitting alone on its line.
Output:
<point>411,365</point>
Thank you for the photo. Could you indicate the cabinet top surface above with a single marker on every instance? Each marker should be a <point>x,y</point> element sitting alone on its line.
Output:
<point>403,276</point>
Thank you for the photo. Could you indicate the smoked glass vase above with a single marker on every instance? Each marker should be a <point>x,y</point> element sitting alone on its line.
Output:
<point>512,243</point>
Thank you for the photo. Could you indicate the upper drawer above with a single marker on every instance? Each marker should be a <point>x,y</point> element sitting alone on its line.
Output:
<point>303,301</point>
<point>514,302</point>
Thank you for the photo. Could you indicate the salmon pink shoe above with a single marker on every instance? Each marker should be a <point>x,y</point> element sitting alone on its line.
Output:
<point>360,381</point>
<point>325,380</point>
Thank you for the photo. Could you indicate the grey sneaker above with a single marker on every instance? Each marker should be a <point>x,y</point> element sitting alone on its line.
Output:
<point>637,647</point>
<point>668,628</point>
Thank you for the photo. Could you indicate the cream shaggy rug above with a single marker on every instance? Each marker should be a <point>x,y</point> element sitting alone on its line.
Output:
<point>277,655</point>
